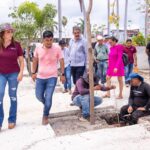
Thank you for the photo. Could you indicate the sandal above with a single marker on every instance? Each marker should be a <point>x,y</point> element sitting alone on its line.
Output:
<point>119,97</point>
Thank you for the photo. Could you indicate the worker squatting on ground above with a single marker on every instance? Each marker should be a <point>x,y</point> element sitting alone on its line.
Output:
<point>139,100</point>
<point>81,94</point>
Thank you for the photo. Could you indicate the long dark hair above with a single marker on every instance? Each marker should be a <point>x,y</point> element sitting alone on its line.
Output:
<point>2,41</point>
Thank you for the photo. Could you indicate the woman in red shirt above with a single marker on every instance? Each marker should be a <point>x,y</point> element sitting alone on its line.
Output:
<point>11,71</point>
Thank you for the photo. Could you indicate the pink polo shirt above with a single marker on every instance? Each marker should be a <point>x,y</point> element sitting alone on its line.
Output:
<point>48,60</point>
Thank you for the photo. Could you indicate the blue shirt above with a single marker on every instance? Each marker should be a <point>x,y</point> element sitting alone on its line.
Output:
<point>78,52</point>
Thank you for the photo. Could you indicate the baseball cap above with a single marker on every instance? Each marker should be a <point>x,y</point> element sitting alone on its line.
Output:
<point>99,37</point>
<point>135,75</point>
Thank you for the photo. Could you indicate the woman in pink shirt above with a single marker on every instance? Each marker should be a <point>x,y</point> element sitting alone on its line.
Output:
<point>115,65</point>
<point>11,71</point>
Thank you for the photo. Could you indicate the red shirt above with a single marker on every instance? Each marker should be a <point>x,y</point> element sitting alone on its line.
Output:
<point>9,58</point>
<point>130,51</point>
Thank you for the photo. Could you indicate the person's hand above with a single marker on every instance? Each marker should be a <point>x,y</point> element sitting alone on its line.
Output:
<point>112,87</point>
<point>130,109</point>
<point>115,70</point>
<point>20,77</point>
<point>62,79</point>
<point>97,87</point>
<point>97,61</point>
<point>141,108</point>
<point>135,64</point>
<point>33,76</point>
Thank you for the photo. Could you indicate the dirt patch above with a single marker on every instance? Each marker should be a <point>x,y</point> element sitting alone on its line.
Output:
<point>68,123</point>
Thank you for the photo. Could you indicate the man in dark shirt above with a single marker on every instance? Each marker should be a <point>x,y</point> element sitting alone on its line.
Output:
<point>131,51</point>
<point>139,100</point>
<point>81,94</point>
<point>148,52</point>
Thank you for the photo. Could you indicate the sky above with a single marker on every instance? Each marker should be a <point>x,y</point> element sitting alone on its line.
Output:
<point>71,9</point>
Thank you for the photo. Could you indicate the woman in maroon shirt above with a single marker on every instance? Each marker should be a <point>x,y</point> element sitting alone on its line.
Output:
<point>10,71</point>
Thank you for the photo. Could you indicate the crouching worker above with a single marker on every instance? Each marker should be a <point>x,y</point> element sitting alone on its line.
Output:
<point>81,95</point>
<point>139,100</point>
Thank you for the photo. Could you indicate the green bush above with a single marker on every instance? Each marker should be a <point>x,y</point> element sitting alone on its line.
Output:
<point>139,39</point>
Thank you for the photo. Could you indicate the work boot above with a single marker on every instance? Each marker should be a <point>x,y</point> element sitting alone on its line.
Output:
<point>45,120</point>
<point>11,125</point>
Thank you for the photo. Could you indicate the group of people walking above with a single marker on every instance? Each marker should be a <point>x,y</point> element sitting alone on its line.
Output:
<point>73,62</point>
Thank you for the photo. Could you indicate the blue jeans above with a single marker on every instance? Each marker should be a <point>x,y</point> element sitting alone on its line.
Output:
<point>128,70</point>
<point>84,102</point>
<point>44,92</point>
<point>67,84</point>
<point>12,90</point>
<point>101,70</point>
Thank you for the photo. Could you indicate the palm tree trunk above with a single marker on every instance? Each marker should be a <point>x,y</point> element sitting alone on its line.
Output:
<point>84,15</point>
<point>117,7</point>
<point>59,20</point>
<point>146,20</point>
<point>108,25</point>
<point>125,20</point>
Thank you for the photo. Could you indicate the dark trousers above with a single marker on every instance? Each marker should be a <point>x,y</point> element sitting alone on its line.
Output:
<point>135,115</point>
<point>77,72</point>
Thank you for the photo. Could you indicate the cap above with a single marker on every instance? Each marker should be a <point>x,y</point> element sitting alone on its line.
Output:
<point>86,78</point>
<point>99,37</point>
<point>135,75</point>
<point>6,26</point>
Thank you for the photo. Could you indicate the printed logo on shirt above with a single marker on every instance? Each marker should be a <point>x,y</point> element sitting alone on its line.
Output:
<point>13,48</point>
<point>137,92</point>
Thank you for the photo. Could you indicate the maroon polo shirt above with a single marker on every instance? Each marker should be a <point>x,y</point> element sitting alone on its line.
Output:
<point>130,51</point>
<point>9,58</point>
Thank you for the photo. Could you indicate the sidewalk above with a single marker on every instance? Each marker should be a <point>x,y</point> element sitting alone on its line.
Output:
<point>29,134</point>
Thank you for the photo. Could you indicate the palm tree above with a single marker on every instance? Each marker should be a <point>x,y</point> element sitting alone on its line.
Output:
<point>81,25</point>
<point>64,23</point>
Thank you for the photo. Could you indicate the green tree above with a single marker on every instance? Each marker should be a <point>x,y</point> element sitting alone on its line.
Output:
<point>64,23</point>
<point>30,20</point>
<point>80,24</point>
<point>98,29</point>
<point>139,39</point>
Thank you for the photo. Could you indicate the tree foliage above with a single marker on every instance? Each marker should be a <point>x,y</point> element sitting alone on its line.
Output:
<point>30,20</point>
<point>80,24</point>
<point>139,39</point>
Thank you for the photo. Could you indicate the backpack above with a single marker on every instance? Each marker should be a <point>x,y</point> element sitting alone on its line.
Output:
<point>125,59</point>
